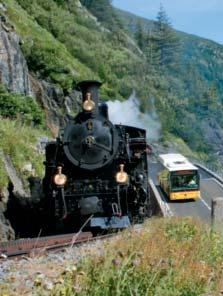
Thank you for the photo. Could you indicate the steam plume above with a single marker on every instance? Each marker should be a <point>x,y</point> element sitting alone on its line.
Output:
<point>128,113</point>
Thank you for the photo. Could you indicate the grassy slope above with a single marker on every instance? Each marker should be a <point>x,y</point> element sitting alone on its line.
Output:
<point>19,142</point>
<point>21,126</point>
<point>68,45</point>
<point>64,43</point>
<point>169,257</point>
<point>174,257</point>
<point>43,52</point>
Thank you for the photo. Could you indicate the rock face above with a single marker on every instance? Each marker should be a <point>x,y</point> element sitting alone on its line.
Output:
<point>18,187</point>
<point>15,76</point>
<point>15,189</point>
<point>54,103</point>
<point>6,231</point>
<point>213,133</point>
<point>13,68</point>
<point>214,136</point>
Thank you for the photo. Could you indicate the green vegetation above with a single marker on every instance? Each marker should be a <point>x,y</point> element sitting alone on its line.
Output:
<point>174,143</point>
<point>174,257</point>
<point>19,142</point>
<point>43,52</point>
<point>21,123</point>
<point>63,43</point>
<point>13,105</point>
<point>3,175</point>
<point>104,12</point>
<point>166,43</point>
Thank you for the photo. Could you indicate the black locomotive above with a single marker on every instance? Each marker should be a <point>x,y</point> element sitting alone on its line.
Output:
<point>95,170</point>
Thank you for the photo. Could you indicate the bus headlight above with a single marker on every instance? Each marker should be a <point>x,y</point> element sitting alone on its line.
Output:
<point>59,179</point>
<point>121,177</point>
<point>88,104</point>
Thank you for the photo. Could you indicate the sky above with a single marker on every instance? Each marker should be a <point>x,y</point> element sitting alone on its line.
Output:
<point>200,17</point>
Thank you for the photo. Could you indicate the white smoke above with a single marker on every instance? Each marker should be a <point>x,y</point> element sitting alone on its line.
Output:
<point>128,113</point>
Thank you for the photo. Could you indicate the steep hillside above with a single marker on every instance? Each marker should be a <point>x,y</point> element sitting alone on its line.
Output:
<point>64,42</point>
<point>203,58</point>
<point>190,93</point>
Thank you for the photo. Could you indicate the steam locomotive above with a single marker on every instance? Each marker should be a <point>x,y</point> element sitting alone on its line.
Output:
<point>96,171</point>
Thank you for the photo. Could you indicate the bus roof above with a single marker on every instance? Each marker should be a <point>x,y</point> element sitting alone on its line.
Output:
<point>176,162</point>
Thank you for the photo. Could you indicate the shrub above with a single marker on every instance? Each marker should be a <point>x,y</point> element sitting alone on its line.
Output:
<point>13,105</point>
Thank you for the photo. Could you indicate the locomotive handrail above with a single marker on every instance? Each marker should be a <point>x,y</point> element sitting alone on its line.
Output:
<point>139,139</point>
<point>95,143</point>
<point>102,146</point>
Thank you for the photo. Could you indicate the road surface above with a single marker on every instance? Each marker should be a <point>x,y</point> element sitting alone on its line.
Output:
<point>200,208</point>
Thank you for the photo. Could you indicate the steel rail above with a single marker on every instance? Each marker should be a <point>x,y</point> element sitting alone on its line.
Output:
<point>34,246</point>
<point>27,246</point>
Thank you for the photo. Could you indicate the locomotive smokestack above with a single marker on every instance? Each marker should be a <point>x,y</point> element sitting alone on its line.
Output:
<point>89,89</point>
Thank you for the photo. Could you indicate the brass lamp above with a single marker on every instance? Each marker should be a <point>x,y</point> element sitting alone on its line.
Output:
<point>59,179</point>
<point>121,176</point>
<point>88,104</point>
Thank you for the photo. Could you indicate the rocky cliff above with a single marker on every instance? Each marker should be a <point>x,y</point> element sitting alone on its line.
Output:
<point>15,76</point>
<point>13,68</point>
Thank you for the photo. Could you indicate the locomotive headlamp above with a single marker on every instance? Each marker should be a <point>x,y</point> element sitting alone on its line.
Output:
<point>121,176</point>
<point>88,104</point>
<point>59,179</point>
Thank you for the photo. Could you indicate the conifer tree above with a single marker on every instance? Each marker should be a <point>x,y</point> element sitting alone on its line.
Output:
<point>209,100</point>
<point>140,36</point>
<point>166,39</point>
<point>152,50</point>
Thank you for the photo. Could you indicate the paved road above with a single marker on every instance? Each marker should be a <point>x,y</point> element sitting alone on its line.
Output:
<point>201,208</point>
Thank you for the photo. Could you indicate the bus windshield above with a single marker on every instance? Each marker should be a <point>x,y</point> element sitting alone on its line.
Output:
<point>184,180</point>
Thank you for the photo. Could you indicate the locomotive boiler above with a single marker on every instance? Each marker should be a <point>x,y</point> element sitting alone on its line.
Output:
<point>95,170</point>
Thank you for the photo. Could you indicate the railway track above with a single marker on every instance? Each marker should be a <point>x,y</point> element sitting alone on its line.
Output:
<point>38,245</point>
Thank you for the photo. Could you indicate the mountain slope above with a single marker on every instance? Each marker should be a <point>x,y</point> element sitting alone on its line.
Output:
<point>204,55</point>
<point>192,89</point>
<point>63,43</point>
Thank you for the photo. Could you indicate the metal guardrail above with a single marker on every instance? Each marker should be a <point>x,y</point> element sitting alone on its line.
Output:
<point>163,206</point>
<point>215,175</point>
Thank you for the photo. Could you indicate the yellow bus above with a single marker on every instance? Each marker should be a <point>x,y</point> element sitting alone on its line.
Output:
<point>179,178</point>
